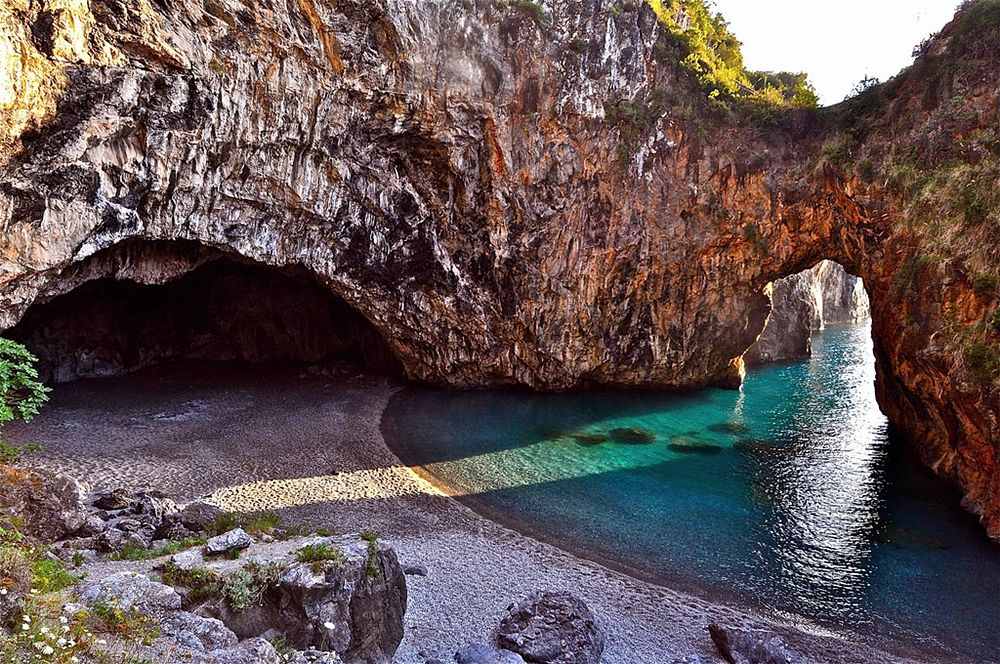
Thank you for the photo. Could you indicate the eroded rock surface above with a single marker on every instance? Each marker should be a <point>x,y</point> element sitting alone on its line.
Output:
<point>472,180</point>
<point>822,295</point>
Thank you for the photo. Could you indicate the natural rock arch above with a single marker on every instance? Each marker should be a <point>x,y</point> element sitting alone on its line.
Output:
<point>548,204</point>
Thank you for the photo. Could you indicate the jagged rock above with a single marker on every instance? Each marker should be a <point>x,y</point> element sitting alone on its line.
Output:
<point>807,301</point>
<point>414,570</point>
<point>154,505</point>
<point>237,538</point>
<point>313,656</point>
<point>552,627</point>
<point>329,606</point>
<point>48,506</point>
<point>116,499</point>
<point>480,653</point>
<point>198,516</point>
<point>127,590</point>
<point>740,646</point>
<point>250,651</point>
<point>125,531</point>
<point>197,632</point>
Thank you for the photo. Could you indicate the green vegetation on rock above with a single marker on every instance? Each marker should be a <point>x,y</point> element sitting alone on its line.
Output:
<point>704,45</point>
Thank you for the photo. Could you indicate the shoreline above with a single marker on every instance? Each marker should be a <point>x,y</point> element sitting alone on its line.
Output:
<point>195,431</point>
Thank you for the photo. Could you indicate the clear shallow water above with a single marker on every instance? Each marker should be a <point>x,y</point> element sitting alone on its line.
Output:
<point>788,495</point>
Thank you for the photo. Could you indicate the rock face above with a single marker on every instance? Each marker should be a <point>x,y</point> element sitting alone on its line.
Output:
<point>471,179</point>
<point>552,628</point>
<point>48,506</point>
<point>352,605</point>
<point>739,646</point>
<point>823,295</point>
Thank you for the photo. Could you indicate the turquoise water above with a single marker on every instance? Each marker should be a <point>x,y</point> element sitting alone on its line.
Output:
<point>789,495</point>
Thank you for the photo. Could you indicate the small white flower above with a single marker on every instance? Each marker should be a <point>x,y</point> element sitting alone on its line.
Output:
<point>26,618</point>
<point>101,642</point>
<point>74,659</point>
<point>328,625</point>
<point>48,650</point>
<point>3,591</point>
<point>34,591</point>
<point>44,630</point>
<point>24,627</point>
<point>63,619</point>
<point>65,628</point>
<point>61,642</point>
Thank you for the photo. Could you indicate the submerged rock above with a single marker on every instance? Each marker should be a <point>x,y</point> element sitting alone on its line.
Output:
<point>552,628</point>
<point>733,428</point>
<point>688,444</point>
<point>632,436</point>
<point>586,439</point>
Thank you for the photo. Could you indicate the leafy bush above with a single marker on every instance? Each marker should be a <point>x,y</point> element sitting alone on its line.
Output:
<point>246,586</point>
<point>201,583</point>
<point>21,394</point>
<point>371,537</point>
<point>254,524</point>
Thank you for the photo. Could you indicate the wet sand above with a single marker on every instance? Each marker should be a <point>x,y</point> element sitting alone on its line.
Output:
<point>254,438</point>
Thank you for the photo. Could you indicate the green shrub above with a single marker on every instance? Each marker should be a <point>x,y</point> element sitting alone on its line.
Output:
<point>703,45</point>
<point>253,523</point>
<point>201,583</point>
<point>319,553</point>
<point>50,575</point>
<point>246,586</point>
<point>371,537</point>
<point>132,552</point>
<point>985,285</point>
<point>21,395</point>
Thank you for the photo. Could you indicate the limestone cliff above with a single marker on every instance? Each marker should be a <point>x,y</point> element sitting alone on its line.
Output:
<point>822,295</point>
<point>515,193</point>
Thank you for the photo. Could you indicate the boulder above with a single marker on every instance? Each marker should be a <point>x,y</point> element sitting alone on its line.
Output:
<point>744,646</point>
<point>129,590</point>
<point>197,632</point>
<point>197,516</point>
<point>154,505</point>
<point>237,538</point>
<point>313,656</point>
<point>552,627</point>
<point>116,499</point>
<point>479,653</point>
<point>328,605</point>
<point>250,651</point>
<point>49,506</point>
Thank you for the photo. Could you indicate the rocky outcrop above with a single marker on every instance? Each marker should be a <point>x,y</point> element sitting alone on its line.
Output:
<point>349,599</point>
<point>510,193</point>
<point>47,505</point>
<point>823,295</point>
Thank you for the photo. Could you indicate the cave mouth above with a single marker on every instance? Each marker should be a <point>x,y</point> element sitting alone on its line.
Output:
<point>224,309</point>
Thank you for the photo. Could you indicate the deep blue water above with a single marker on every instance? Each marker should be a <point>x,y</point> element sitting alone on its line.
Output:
<point>790,495</point>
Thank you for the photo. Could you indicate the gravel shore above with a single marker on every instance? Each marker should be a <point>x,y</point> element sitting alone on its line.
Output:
<point>310,447</point>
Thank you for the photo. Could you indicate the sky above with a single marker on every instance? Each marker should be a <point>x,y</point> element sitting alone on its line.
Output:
<point>836,43</point>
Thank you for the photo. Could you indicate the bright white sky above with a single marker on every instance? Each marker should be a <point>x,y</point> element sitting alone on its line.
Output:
<point>836,43</point>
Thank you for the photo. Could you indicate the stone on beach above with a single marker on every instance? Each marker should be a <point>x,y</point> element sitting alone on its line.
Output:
<point>552,628</point>
<point>237,538</point>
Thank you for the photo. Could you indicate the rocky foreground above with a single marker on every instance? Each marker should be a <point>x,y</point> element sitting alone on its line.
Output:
<point>254,593</point>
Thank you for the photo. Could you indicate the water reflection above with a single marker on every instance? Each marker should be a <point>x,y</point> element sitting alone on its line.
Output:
<point>784,494</point>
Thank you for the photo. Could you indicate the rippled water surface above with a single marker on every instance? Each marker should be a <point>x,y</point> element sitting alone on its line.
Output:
<point>788,494</point>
